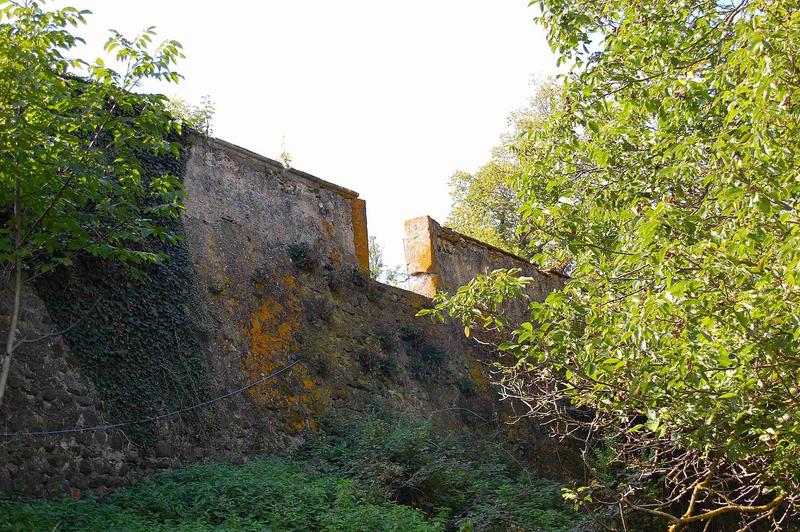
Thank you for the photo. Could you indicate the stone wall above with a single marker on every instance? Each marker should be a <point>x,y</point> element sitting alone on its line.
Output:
<point>226,184</point>
<point>270,270</point>
<point>440,259</point>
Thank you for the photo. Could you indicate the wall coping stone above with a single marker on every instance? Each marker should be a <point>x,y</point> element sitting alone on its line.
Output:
<point>451,234</point>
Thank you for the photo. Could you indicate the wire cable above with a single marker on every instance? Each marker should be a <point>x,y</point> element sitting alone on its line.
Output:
<point>75,430</point>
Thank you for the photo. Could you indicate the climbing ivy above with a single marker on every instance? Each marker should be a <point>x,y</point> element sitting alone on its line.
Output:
<point>130,331</point>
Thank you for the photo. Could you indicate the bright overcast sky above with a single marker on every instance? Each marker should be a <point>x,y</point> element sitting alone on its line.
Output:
<point>383,97</point>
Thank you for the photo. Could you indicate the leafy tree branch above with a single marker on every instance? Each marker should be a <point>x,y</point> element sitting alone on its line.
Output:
<point>73,133</point>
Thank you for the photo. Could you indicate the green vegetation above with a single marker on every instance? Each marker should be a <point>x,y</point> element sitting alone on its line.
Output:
<point>428,356</point>
<point>71,176</point>
<point>376,265</point>
<point>196,117</point>
<point>268,494</point>
<point>378,271</point>
<point>485,204</point>
<point>356,475</point>
<point>463,483</point>
<point>373,361</point>
<point>669,179</point>
<point>143,358</point>
<point>303,257</point>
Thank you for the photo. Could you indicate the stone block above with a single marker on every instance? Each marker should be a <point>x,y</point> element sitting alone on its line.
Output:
<point>419,244</point>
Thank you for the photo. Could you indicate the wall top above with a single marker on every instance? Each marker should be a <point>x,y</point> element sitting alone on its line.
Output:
<point>258,158</point>
<point>454,236</point>
<point>441,259</point>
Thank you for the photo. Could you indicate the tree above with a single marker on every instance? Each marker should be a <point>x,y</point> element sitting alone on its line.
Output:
<point>670,178</point>
<point>70,175</point>
<point>396,276</point>
<point>484,204</point>
<point>197,117</point>
<point>376,265</point>
<point>392,275</point>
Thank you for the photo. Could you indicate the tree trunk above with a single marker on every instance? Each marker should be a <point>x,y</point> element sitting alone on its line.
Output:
<point>12,327</point>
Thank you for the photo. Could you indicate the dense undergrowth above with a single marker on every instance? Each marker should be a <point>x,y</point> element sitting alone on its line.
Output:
<point>351,475</point>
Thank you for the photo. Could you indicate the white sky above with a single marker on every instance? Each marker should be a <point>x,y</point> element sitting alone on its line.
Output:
<point>383,97</point>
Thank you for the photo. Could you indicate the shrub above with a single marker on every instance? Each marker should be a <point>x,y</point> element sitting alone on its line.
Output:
<point>386,337</point>
<point>258,276</point>
<point>411,334</point>
<point>302,256</point>
<point>335,281</point>
<point>466,386</point>
<point>311,352</point>
<point>318,309</point>
<point>432,354</point>
<point>318,363</point>
<point>350,476</point>
<point>429,361</point>
<point>417,369</point>
<point>468,483</point>
<point>271,494</point>
<point>358,279</point>
<point>370,361</point>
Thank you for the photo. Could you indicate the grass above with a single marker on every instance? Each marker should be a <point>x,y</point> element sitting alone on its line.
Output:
<point>352,475</point>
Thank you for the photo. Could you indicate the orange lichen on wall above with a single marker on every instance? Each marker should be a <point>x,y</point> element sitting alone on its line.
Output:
<point>273,329</point>
<point>419,245</point>
<point>328,228</point>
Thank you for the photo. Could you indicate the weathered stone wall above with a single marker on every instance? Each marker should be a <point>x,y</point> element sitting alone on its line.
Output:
<point>440,259</point>
<point>269,271</point>
<point>226,184</point>
<point>359,345</point>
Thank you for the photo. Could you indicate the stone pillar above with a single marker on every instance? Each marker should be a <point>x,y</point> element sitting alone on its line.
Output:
<point>440,259</point>
<point>421,255</point>
<point>360,235</point>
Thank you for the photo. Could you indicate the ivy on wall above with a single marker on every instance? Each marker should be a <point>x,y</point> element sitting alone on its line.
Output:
<point>132,334</point>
